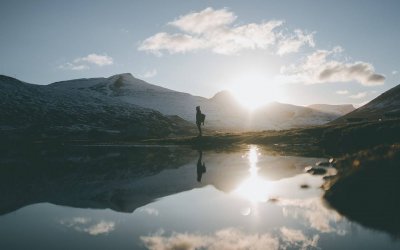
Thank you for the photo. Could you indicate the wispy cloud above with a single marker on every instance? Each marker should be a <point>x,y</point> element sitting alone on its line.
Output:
<point>100,60</point>
<point>358,105</point>
<point>150,211</point>
<point>204,21</point>
<point>73,66</point>
<point>224,239</point>
<point>342,92</point>
<point>83,224</point>
<point>83,63</point>
<point>294,42</point>
<point>215,30</point>
<point>231,238</point>
<point>315,214</point>
<point>296,238</point>
<point>75,221</point>
<point>321,67</point>
<point>123,30</point>
<point>149,73</point>
<point>103,227</point>
<point>359,95</point>
<point>395,72</point>
<point>173,43</point>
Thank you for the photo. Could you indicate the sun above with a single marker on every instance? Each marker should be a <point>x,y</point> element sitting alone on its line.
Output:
<point>253,90</point>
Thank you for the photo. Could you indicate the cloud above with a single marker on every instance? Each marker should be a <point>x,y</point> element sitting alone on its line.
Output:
<point>313,213</point>
<point>294,42</point>
<point>395,72</point>
<point>75,221</point>
<point>123,30</point>
<point>83,63</point>
<point>204,21</point>
<point>215,30</point>
<point>359,95</point>
<point>71,66</point>
<point>100,60</point>
<point>342,92</point>
<point>321,67</point>
<point>224,239</point>
<point>358,105</point>
<point>296,238</point>
<point>231,238</point>
<point>103,227</point>
<point>150,73</point>
<point>175,43</point>
<point>83,224</point>
<point>150,211</point>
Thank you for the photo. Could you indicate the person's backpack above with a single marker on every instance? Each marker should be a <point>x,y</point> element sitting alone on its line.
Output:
<point>203,118</point>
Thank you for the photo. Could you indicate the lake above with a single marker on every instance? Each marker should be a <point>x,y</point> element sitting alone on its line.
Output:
<point>159,197</point>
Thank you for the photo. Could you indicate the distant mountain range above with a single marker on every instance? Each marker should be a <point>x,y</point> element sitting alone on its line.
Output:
<point>222,110</point>
<point>384,107</point>
<point>334,109</point>
<point>125,106</point>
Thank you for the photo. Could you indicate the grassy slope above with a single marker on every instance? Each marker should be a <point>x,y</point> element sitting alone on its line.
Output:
<point>331,139</point>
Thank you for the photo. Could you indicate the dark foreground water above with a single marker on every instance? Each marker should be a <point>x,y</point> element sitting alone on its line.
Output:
<point>170,198</point>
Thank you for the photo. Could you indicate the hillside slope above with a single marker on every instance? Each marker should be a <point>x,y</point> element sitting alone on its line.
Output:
<point>341,109</point>
<point>43,111</point>
<point>384,107</point>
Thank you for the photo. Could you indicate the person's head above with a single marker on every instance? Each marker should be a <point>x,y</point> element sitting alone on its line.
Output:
<point>198,108</point>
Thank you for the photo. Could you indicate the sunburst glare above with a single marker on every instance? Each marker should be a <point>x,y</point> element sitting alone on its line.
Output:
<point>254,188</point>
<point>254,89</point>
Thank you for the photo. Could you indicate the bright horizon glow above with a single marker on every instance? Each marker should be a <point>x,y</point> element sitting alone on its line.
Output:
<point>255,89</point>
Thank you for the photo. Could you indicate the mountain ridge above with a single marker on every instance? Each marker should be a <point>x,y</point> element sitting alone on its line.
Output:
<point>42,111</point>
<point>385,106</point>
<point>340,109</point>
<point>223,110</point>
<point>125,91</point>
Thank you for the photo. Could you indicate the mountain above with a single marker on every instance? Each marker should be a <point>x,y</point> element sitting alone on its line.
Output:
<point>37,111</point>
<point>89,177</point>
<point>222,110</point>
<point>384,107</point>
<point>334,109</point>
<point>124,107</point>
<point>285,116</point>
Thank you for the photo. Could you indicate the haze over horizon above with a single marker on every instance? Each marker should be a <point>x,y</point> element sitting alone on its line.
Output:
<point>301,52</point>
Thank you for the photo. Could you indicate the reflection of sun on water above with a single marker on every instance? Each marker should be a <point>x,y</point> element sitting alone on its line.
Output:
<point>253,188</point>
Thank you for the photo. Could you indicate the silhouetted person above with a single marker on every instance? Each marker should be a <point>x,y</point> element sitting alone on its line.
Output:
<point>201,166</point>
<point>199,119</point>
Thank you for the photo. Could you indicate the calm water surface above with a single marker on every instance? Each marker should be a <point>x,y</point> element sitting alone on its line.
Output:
<point>171,198</point>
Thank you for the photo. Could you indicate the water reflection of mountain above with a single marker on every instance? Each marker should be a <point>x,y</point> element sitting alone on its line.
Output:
<point>92,177</point>
<point>123,178</point>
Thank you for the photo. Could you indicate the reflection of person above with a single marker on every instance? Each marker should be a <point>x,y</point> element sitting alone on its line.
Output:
<point>199,119</point>
<point>201,166</point>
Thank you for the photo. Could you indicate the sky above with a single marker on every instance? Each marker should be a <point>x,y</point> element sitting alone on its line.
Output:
<point>299,52</point>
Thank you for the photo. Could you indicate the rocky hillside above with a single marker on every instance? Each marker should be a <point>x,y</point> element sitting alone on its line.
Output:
<point>384,107</point>
<point>35,111</point>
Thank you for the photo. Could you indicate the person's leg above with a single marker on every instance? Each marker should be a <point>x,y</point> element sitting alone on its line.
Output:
<point>199,128</point>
